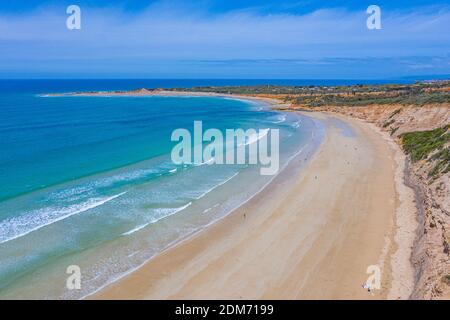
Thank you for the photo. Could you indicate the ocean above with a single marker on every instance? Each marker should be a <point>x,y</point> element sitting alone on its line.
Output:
<point>88,181</point>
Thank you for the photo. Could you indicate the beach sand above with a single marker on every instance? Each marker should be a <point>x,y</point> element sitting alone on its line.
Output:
<point>310,234</point>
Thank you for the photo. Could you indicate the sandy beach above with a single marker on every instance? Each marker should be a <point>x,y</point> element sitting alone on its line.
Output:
<point>225,150</point>
<point>310,234</point>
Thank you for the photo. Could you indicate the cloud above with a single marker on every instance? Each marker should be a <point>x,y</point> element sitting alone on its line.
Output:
<point>173,34</point>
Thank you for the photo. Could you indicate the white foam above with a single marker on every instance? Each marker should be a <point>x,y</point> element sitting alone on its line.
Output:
<point>87,190</point>
<point>166,212</point>
<point>210,161</point>
<point>216,186</point>
<point>209,209</point>
<point>281,119</point>
<point>162,213</point>
<point>297,124</point>
<point>20,226</point>
<point>142,226</point>
<point>255,137</point>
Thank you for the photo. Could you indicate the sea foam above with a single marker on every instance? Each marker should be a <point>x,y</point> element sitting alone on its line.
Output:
<point>20,226</point>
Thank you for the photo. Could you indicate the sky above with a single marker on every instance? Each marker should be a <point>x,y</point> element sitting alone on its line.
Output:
<point>247,39</point>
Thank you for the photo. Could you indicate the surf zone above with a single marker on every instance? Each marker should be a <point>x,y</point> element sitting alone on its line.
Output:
<point>236,146</point>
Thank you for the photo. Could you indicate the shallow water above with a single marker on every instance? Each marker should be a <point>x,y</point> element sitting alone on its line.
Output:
<point>88,181</point>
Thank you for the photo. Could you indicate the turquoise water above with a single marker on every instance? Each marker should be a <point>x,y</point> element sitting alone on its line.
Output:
<point>89,181</point>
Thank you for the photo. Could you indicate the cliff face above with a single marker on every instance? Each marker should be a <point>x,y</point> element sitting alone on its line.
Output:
<point>430,179</point>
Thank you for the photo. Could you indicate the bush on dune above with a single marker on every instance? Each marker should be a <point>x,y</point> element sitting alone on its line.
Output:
<point>432,145</point>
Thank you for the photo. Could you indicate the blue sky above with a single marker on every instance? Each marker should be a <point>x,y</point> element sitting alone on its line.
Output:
<point>225,39</point>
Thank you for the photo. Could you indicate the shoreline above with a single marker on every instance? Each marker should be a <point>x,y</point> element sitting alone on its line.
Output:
<point>305,152</point>
<point>256,108</point>
<point>396,252</point>
<point>115,290</point>
<point>274,103</point>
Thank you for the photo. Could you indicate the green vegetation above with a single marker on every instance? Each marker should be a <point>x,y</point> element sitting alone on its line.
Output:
<point>419,93</point>
<point>432,145</point>
<point>421,143</point>
<point>365,99</point>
